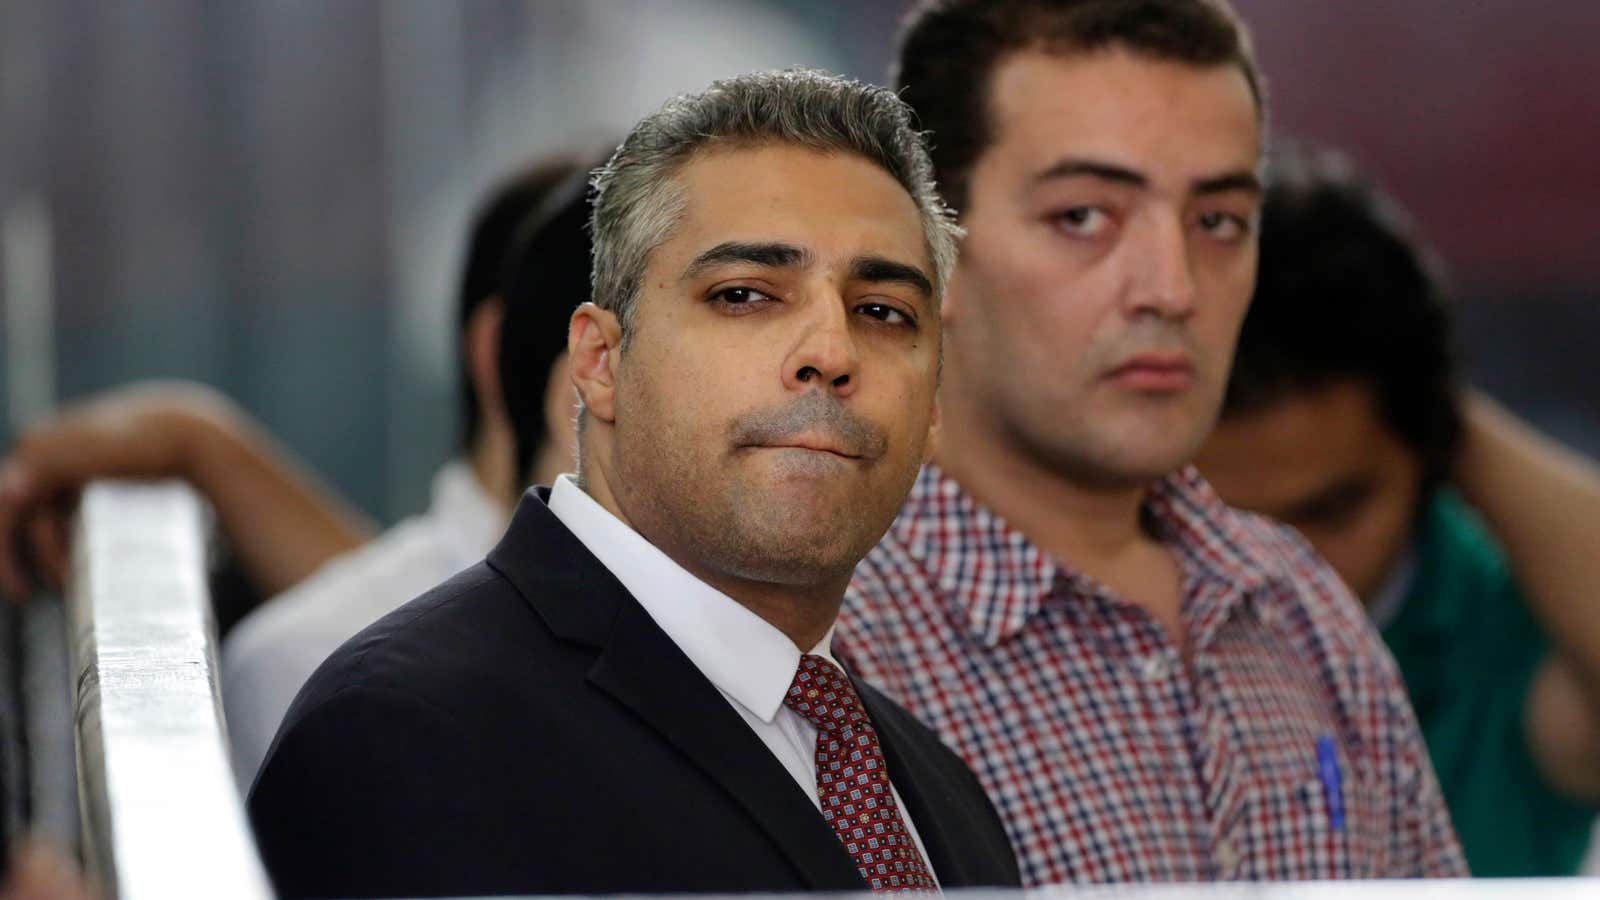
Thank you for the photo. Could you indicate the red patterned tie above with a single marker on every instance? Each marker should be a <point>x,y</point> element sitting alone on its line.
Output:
<point>853,782</point>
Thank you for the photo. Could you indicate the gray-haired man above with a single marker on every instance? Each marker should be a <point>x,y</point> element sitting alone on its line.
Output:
<point>634,692</point>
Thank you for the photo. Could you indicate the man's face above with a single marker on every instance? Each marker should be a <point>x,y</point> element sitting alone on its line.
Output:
<point>1109,259</point>
<point>773,406</point>
<point>1322,461</point>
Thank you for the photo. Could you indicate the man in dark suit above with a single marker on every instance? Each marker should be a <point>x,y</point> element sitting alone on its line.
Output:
<point>634,692</point>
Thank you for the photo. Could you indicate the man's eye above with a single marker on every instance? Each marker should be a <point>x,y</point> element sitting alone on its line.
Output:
<point>739,296</point>
<point>1083,221</point>
<point>1224,226</point>
<point>1332,514</point>
<point>886,313</point>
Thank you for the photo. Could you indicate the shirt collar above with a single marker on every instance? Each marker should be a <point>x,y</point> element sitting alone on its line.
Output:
<point>471,521</point>
<point>1234,559</point>
<point>1219,541</point>
<point>748,659</point>
<point>999,580</point>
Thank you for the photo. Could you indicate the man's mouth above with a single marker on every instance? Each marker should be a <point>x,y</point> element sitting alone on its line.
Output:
<point>812,424</point>
<point>813,445</point>
<point>1158,372</point>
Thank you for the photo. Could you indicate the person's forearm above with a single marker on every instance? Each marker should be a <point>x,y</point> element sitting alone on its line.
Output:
<point>280,524</point>
<point>1542,502</point>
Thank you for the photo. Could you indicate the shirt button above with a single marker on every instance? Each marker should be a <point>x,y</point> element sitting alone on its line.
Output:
<point>1155,668</point>
<point>1227,858</point>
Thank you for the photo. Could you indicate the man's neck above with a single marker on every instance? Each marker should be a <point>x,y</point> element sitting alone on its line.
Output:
<point>1096,529</point>
<point>492,458</point>
<point>548,462</point>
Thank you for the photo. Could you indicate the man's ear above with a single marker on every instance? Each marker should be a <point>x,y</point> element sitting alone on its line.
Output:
<point>593,338</point>
<point>935,426</point>
<point>481,350</point>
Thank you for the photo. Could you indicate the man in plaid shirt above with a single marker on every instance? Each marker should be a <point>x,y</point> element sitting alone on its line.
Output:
<point>1151,685</point>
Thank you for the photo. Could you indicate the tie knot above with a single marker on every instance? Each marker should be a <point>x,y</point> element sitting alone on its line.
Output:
<point>823,694</point>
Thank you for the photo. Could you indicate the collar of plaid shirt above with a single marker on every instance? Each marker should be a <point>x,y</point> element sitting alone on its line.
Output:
<point>1006,579</point>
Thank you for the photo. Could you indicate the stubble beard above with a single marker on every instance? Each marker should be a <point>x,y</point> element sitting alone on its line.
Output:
<point>693,505</point>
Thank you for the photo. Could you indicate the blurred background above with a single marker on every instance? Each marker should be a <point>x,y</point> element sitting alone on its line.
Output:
<point>270,197</point>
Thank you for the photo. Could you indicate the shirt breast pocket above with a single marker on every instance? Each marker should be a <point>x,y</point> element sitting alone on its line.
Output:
<point>1329,811</point>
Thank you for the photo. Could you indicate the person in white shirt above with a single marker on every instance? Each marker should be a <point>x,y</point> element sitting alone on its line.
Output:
<point>528,235</point>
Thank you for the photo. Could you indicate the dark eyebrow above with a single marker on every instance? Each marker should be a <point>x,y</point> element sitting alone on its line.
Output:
<point>768,255</point>
<point>1233,181</point>
<point>880,269</point>
<point>1088,168</point>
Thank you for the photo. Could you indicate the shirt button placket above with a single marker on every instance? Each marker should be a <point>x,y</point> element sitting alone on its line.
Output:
<point>1155,667</point>
<point>1227,860</point>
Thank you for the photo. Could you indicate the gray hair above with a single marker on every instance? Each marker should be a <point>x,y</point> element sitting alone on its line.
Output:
<point>638,202</point>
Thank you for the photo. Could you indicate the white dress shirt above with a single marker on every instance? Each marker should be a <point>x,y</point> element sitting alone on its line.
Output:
<point>748,659</point>
<point>270,653</point>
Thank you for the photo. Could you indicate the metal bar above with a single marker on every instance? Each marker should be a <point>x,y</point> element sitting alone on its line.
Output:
<point>46,694</point>
<point>13,747</point>
<point>161,815</point>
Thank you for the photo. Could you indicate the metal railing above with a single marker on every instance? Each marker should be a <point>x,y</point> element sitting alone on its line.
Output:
<point>161,814</point>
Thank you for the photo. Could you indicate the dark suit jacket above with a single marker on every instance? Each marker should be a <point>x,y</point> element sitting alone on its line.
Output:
<point>527,728</point>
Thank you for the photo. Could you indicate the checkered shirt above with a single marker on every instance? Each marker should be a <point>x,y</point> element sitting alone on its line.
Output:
<point>1281,747</point>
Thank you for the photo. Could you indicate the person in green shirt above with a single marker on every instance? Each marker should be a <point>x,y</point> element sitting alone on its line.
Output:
<point>1473,540</point>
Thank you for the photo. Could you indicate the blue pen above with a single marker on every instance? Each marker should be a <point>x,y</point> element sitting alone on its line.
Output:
<point>1332,783</point>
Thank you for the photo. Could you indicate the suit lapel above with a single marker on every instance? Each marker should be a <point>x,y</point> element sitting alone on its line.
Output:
<point>644,670</point>
<point>639,666</point>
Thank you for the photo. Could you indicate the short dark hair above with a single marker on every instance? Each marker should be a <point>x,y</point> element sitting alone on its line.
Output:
<point>494,228</point>
<point>950,49</point>
<point>1346,291</point>
<point>545,277</point>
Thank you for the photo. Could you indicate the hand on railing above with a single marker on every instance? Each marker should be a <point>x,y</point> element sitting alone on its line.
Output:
<point>280,521</point>
<point>129,433</point>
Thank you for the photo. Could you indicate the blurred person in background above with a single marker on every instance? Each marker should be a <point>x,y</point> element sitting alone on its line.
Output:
<point>1151,685</point>
<point>549,266</point>
<point>1473,540</point>
<point>39,871</point>
<point>278,522</point>
<point>634,691</point>
<point>269,655</point>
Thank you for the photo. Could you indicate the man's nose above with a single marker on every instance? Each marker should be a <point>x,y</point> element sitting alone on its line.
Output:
<point>824,353</point>
<point>1163,282</point>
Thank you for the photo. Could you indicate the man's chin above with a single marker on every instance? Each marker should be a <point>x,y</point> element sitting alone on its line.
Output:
<point>806,540</point>
<point>797,564</point>
<point>1138,449</point>
<point>1118,465</point>
<point>811,514</point>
